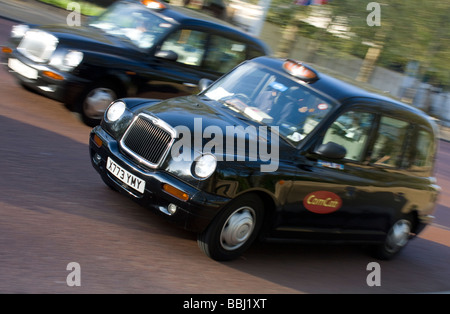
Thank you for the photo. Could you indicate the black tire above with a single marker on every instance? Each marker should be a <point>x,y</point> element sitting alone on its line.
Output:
<point>234,229</point>
<point>95,100</point>
<point>396,239</point>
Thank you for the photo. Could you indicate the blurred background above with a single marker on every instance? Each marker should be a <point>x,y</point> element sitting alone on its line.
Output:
<point>405,55</point>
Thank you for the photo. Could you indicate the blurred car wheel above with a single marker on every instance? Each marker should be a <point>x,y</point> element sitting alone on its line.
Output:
<point>396,239</point>
<point>233,230</point>
<point>95,102</point>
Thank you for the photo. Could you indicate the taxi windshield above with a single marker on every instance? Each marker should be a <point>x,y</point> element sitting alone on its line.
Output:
<point>271,98</point>
<point>133,22</point>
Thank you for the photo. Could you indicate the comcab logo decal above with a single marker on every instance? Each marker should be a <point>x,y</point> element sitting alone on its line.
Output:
<point>322,202</point>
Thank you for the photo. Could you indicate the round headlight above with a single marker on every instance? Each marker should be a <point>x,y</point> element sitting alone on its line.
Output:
<point>115,111</point>
<point>73,58</point>
<point>205,166</point>
<point>18,31</point>
<point>66,60</point>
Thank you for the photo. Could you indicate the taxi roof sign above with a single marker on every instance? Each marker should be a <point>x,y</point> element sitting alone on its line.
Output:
<point>153,4</point>
<point>300,70</point>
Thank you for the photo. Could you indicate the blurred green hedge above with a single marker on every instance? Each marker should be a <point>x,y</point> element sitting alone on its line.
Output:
<point>88,7</point>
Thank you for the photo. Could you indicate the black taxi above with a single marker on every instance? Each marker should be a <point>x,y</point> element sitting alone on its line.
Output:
<point>275,150</point>
<point>135,48</point>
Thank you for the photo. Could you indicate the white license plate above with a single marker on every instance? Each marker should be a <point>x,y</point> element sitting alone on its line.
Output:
<point>22,69</point>
<point>124,176</point>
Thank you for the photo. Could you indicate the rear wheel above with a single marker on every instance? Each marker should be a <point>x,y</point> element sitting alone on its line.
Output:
<point>234,229</point>
<point>396,239</point>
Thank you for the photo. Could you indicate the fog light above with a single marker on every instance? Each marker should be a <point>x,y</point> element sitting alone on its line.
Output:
<point>172,208</point>
<point>97,158</point>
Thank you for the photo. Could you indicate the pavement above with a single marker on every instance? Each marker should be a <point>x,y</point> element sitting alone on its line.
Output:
<point>445,133</point>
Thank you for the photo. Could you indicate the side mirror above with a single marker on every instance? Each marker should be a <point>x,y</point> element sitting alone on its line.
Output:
<point>331,150</point>
<point>167,55</point>
<point>204,84</point>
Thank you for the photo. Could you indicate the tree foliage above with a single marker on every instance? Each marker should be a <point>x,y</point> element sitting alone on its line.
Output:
<point>410,30</point>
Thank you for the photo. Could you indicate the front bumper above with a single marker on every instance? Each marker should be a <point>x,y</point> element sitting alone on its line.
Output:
<point>67,88</point>
<point>195,214</point>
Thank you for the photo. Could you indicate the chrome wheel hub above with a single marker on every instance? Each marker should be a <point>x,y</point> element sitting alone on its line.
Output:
<point>238,228</point>
<point>97,101</point>
<point>398,235</point>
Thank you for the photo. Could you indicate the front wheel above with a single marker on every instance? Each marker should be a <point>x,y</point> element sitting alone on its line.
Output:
<point>396,239</point>
<point>233,230</point>
<point>95,101</point>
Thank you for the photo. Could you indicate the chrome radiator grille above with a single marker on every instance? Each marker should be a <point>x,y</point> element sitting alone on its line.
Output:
<point>148,140</point>
<point>38,45</point>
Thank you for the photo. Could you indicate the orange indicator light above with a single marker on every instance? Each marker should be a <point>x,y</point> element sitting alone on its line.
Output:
<point>6,49</point>
<point>53,75</point>
<point>175,192</point>
<point>98,141</point>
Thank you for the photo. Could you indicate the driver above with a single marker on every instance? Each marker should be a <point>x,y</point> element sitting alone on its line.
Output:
<point>294,106</point>
<point>267,98</point>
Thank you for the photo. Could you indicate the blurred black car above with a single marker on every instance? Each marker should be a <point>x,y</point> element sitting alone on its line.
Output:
<point>277,150</point>
<point>142,48</point>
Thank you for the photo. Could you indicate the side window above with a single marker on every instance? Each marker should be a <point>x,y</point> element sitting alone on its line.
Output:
<point>188,44</point>
<point>252,52</point>
<point>224,54</point>
<point>351,130</point>
<point>389,142</point>
<point>423,152</point>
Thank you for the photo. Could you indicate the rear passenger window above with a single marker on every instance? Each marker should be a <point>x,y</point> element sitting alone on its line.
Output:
<point>423,152</point>
<point>389,142</point>
<point>351,130</point>
<point>224,54</point>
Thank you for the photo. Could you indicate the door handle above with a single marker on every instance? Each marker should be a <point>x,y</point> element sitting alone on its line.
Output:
<point>350,192</point>
<point>399,197</point>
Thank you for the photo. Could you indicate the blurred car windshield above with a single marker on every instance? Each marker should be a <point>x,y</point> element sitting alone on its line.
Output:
<point>134,22</point>
<point>271,98</point>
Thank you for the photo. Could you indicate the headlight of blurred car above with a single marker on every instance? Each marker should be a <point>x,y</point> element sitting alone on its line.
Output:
<point>73,58</point>
<point>18,31</point>
<point>66,60</point>
<point>204,166</point>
